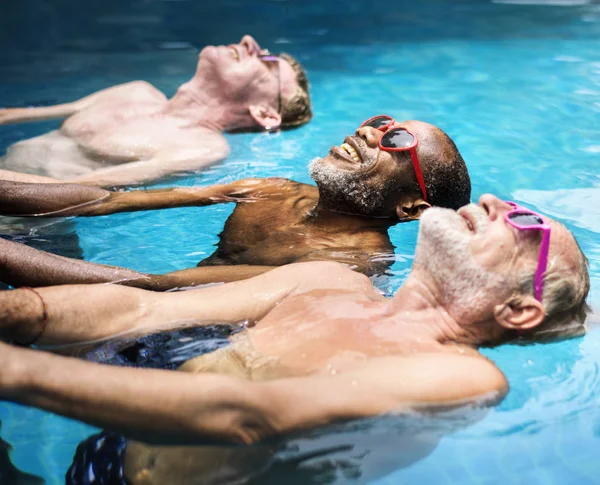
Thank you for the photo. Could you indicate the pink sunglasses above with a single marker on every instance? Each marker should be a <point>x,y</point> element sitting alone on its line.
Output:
<point>398,139</point>
<point>525,220</point>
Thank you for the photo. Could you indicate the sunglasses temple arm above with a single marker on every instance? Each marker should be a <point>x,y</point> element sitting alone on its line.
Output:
<point>542,264</point>
<point>418,173</point>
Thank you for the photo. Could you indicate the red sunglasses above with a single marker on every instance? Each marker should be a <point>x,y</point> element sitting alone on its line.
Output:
<point>398,139</point>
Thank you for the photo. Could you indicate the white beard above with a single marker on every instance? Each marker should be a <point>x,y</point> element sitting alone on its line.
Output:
<point>443,250</point>
<point>346,188</point>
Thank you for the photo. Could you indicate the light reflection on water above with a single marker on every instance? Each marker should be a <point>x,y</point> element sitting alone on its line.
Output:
<point>517,87</point>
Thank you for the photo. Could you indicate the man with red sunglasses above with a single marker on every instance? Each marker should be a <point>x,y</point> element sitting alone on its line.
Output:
<point>319,344</point>
<point>132,134</point>
<point>385,173</point>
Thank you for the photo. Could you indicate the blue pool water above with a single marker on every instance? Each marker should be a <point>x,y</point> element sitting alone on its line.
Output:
<point>516,86</point>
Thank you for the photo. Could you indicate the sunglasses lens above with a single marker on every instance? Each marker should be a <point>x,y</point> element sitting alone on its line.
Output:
<point>525,219</point>
<point>397,138</point>
<point>378,122</point>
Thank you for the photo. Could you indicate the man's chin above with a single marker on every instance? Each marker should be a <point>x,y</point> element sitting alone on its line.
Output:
<point>210,53</point>
<point>316,169</point>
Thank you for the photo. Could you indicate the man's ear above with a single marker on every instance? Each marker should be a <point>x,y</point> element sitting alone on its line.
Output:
<point>411,208</point>
<point>265,116</point>
<point>520,313</point>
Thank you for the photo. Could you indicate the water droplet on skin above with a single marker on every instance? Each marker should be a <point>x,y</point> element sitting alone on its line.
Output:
<point>333,372</point>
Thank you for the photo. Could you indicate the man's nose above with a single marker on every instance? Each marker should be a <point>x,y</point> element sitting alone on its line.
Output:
<point>251,44</point>
<point>370,135</point>
<point>493,206</point>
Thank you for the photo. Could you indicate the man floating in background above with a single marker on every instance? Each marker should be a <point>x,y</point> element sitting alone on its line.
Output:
<point>132,134</point>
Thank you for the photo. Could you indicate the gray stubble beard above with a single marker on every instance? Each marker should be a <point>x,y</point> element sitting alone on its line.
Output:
<point>347,190</point>
<point>444,252</point>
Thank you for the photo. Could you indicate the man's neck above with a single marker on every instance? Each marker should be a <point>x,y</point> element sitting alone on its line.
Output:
<point>193,103</point>
<point>418,308</point>
<point>338,218</point>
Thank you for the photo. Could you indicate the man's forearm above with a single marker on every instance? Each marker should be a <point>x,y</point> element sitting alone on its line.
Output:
<point>160,407</point>
<point>21,265</point>
<point>23,115</point>
<point>60,200</point>
<point>47,199</point>
<point>179,408</point>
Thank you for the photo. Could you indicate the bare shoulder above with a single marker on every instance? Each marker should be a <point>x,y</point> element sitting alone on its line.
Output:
<point>433,380</point>
<point>134,91</point>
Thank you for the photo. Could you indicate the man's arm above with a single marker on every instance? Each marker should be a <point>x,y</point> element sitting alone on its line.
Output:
<point>63,199</point>
<point>22,115</point>
<point>165,407</point>
<point>21,265</point>
<point>10,116</point>
<point>77,314</point>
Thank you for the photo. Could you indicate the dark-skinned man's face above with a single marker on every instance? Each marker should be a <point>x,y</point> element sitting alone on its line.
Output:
<point>359,178</point>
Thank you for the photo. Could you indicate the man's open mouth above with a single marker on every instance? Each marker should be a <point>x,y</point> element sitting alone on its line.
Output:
<point>350,150</point>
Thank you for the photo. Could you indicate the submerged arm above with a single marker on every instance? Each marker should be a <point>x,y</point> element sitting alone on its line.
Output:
<point>165,407</point>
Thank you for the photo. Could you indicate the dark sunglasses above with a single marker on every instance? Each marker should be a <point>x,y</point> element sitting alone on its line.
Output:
<point>398,139</point>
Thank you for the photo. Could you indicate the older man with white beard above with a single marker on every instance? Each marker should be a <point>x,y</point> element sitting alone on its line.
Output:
<point>387,172</point>
<point>321,343</point>
<point>132,134</point>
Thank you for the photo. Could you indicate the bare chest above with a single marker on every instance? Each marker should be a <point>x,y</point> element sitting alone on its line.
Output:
<point>102,116</point>
<point>278,232</point>
<point>62,155</point>
<point>337,330</point>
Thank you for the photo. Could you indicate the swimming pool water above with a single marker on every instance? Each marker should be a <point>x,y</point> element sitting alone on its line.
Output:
<point>516,86</point>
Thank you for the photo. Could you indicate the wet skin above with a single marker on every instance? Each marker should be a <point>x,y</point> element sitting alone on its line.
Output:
<point>285,228</point>
<point>132,134</point>
<point>321,344</point>
<point>275,222</point>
